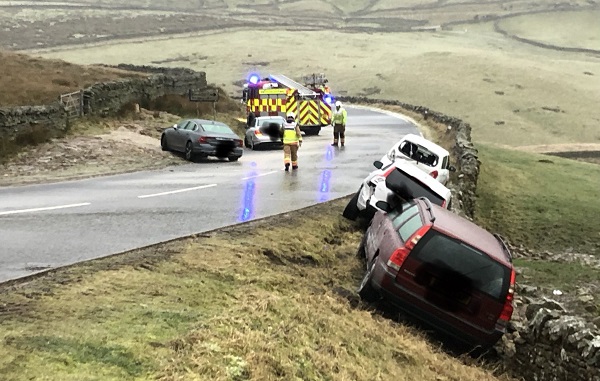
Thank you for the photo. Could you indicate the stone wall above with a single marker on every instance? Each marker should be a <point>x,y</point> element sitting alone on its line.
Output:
<point>553,345</point>
<point>107,98</point>
<point>545,341</point>
<point>464,185</point>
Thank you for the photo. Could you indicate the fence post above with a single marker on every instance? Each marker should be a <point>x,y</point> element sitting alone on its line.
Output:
<point>81,113</point>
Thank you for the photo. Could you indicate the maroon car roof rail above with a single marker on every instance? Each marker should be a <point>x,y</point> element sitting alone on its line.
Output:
<point>429,208</point>
<point>506,250</point>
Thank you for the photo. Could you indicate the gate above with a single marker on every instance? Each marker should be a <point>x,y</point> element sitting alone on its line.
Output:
<point>73,103</point>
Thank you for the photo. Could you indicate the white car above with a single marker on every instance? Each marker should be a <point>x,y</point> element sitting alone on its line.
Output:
<point>387,186</point>
<point>424,154</point>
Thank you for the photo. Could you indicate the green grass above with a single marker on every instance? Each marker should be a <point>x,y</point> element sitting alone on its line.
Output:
<point>238,304</point>
<point>568,276</point>
<point>548,206</point>
<point>467,75</point>
<point>566,29</point>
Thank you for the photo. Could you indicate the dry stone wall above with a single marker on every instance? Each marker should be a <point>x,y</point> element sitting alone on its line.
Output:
<point>545,341</point>
<point>106,98</point>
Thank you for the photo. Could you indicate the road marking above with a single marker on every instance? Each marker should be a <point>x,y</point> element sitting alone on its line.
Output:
<point>43,209</point>
<point>261,175</point>
<point>177,191</point>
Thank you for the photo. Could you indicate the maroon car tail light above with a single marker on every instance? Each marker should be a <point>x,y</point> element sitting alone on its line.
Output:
<point>507,310</point>
<point>400,254</point>
<point>202,139</point>
<point>434,174</point>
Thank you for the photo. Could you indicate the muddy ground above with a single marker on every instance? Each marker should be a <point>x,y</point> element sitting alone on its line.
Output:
<point>95,148</point>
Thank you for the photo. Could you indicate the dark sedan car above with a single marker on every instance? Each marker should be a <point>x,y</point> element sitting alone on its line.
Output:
<point>202,138</point>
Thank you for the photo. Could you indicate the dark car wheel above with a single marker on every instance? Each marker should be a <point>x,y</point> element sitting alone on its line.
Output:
<point>250,144</point>
<point>189,153</point>
<point>369,212</point>
<point>351,211</point>
<point>360,252</point>
<point>163,143</point>
<point>366,290</point>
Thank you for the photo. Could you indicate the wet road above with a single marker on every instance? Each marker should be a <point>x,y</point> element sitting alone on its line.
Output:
<point>43,226</point>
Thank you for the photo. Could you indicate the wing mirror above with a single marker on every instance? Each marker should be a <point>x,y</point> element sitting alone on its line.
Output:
<point>452,168</point>
<point>383,206</point>
<point>175,127</point>
<point>377,164</point>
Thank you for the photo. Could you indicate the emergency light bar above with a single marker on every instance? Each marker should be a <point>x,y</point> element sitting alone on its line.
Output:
<point>254,79</point>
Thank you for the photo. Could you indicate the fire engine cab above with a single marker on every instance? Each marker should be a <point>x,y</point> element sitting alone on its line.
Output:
<point>276,95</point>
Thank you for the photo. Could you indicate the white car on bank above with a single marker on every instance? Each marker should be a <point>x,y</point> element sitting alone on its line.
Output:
<point>388,186</point>
<point>422,153</point>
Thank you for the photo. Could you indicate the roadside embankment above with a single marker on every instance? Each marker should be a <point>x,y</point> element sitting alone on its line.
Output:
<point>547,341</point>
<point>26,125</point>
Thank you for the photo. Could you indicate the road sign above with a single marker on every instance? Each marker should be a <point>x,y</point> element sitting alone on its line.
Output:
<point>203,95</point>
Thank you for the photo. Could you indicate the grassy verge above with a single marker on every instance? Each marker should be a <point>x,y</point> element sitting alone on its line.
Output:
<point>239,304</point>
<point>542,202</point>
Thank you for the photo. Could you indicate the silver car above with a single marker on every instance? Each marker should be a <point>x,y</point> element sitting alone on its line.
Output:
<point>264,132</point>
<point>202,138</point>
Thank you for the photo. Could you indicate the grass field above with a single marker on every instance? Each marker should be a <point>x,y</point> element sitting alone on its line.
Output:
<point>218,307</point>
<point>510,92</point>
<point>28,80</point>
<point>564,29</point>
<point>542,202</point>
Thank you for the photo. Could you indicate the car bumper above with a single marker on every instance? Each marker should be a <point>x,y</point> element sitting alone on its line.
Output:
<point>211,150</point>
<point>384,281</point>
<point>267,142</point>
<point>369,196</point>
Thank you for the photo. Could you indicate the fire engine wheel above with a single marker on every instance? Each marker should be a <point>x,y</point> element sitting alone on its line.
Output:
<point>313,131</point>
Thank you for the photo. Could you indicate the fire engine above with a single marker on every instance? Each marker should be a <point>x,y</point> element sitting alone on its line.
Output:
<point>276,95</point>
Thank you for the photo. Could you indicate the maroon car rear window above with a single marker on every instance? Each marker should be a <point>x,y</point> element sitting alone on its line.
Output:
<point>438,251</point>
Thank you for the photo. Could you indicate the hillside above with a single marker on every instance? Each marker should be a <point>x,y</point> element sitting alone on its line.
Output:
<point>220,307</point>
<point>29,80</point>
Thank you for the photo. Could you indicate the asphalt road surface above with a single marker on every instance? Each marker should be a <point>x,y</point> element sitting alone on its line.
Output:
<point>52,225</point>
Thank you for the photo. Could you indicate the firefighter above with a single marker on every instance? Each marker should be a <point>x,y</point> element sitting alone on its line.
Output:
<point>325,88</point>
<point>292,140</point>
<point>338,121</point>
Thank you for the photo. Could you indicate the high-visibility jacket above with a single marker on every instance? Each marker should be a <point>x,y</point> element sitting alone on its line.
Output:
<point>339,116</point>
<point>291,133</point>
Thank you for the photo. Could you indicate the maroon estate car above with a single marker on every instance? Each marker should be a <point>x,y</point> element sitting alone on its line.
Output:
<point>441,268</point>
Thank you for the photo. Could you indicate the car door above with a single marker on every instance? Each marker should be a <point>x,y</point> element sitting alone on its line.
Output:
<point>193,130</point>
<point>178,138</point>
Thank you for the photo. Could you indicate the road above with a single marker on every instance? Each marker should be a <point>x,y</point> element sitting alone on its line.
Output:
<point>52,225</point>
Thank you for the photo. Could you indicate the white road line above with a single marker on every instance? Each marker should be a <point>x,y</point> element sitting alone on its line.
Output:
<point>261,175</point>
<point>43,209</point>
<point>177,191</point>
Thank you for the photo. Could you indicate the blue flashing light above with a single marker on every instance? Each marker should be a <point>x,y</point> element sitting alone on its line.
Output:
<point>328,99</point>
<point>248,201</point>
<point>324,186</point>
<point>254,79</point>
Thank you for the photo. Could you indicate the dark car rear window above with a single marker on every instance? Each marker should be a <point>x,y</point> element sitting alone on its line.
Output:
<point>217,127</point>
<point>447,254</point>
<point>407,187</point>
